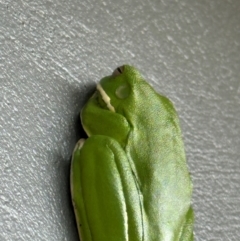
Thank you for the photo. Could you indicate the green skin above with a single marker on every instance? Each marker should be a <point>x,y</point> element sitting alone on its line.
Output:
<point>129,179</point>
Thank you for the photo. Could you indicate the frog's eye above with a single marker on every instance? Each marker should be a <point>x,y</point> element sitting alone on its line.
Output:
<point>118,71</point>
<point>123,91</point>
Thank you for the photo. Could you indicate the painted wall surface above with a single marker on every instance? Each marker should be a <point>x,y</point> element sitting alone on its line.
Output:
<point>51,55</point>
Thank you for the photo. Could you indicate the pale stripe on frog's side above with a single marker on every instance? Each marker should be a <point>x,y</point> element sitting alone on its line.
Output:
<point>105,98</point>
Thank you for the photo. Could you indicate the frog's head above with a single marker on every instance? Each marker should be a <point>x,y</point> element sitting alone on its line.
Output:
<point>121,100</point>
<point>112,105</point>
<point>116,92</point>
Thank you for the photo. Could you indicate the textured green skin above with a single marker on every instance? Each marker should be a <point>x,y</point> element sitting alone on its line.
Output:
<point>129,180</point>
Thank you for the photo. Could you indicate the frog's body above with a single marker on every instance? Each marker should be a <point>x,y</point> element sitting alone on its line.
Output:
<point>129,179</point>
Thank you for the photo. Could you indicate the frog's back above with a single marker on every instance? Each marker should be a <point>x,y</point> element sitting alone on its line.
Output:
<point>156,153</point>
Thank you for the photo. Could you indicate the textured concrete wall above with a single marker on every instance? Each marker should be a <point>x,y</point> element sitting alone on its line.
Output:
<point>51,54</point>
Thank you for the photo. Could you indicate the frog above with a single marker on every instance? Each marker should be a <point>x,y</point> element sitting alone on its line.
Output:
<point>129,177</point>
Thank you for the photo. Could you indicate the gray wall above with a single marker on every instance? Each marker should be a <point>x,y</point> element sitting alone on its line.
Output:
<point>51,55</point>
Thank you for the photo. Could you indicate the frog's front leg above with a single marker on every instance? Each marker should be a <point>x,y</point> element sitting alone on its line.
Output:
<point>104,193</point>
<point>108,123</point>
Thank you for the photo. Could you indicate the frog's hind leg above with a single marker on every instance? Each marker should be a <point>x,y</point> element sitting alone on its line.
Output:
<point>187,229</point>
<point>105,195</point>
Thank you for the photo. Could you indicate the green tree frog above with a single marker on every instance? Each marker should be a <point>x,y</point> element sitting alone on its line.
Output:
<point>129,178</point>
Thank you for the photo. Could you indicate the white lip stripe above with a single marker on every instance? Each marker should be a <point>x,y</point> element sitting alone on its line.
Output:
<point>105,98</point>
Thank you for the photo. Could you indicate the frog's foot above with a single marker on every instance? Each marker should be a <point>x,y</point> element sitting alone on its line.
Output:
<point>187,229</point>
